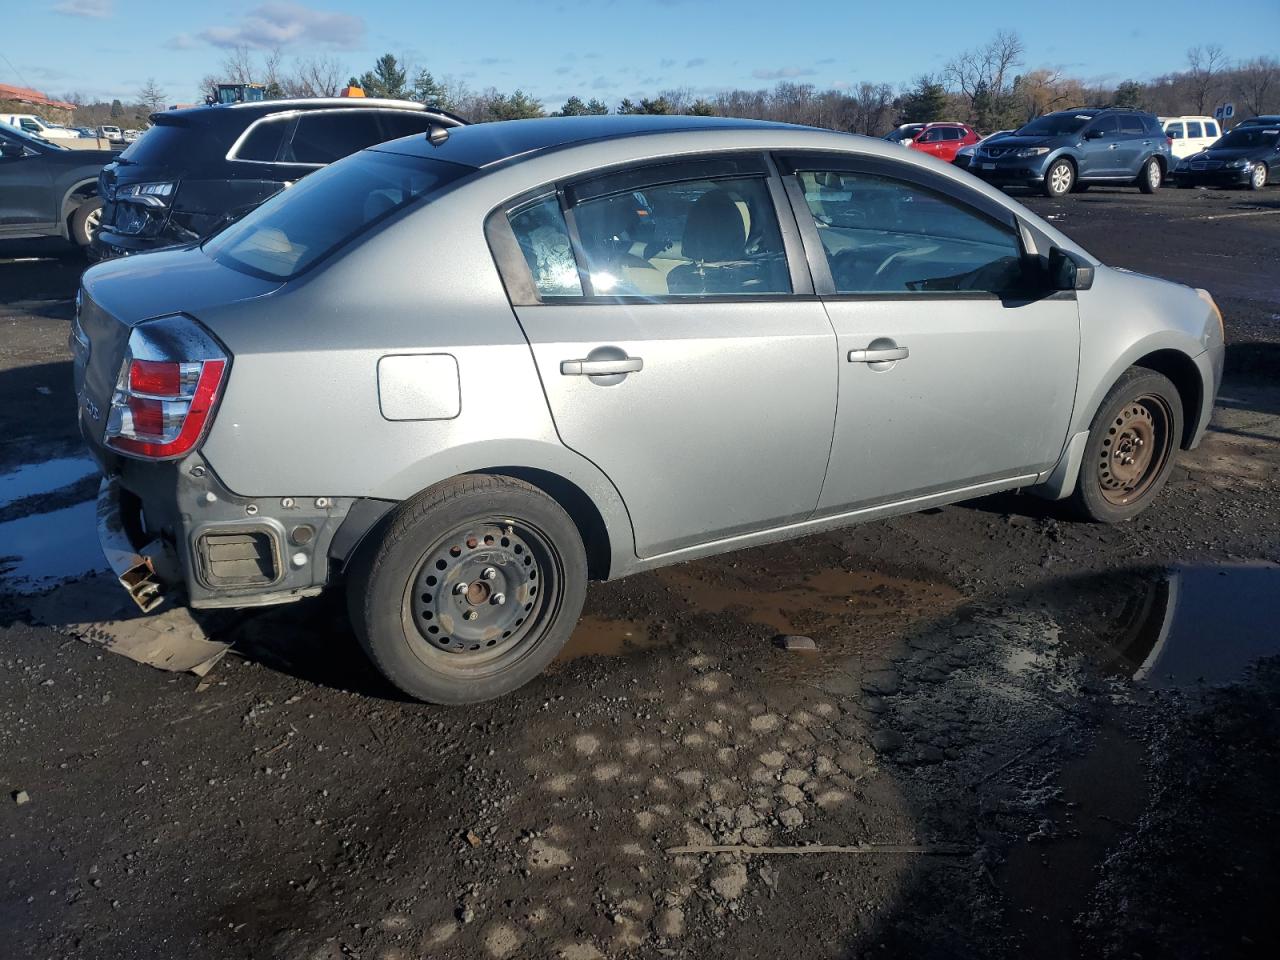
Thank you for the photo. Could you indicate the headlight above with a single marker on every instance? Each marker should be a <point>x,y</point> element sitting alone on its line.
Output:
<point>1238,163</point>
<point>1031,152</point>
<point>152,194</point>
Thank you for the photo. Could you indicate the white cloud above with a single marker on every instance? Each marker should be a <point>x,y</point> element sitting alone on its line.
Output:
<point>183,41</point>
<point>782,73</point>
<point>283,23</point>
<point>94,9</point>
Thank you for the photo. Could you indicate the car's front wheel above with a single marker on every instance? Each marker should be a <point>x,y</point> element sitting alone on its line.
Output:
<point>1059,179</point>
<point>1130,449</point>
<point>1151,177</point>
<point>471,591</point>
<point>1258,179</point>
<point>85,221</point>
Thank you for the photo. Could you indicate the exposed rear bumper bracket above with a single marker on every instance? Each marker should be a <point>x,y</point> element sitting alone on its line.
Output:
<point>134,569</point>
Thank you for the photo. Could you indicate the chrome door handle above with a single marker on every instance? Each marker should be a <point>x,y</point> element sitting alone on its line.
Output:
<point>600,368</point>
<point>881,355</point>
<point>1113,146</point>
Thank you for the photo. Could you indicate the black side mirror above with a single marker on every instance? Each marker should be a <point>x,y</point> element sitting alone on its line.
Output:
<point>1069,271</point>
<point>10,150</point>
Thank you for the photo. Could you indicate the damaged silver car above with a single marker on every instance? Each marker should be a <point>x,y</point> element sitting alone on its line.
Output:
<point>462,373</point>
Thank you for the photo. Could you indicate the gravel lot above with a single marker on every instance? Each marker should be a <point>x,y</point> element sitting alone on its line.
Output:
<point>969,735</point>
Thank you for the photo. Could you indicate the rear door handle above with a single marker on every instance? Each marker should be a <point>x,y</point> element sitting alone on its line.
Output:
<point>601,368</point>
<point>880,355</point>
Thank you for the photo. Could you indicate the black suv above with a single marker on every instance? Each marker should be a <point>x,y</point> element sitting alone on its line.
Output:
<point>196,170</point>
<point>1071,149</point>
<point>46,189</point>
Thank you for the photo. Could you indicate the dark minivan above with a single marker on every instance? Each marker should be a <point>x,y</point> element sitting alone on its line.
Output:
<point>1070,149</point>
<point>198,169</point>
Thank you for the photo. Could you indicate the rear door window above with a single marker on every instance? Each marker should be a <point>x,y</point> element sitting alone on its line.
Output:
<point>1211,129</point>
<point>1194,129</point>
<point>543,237</point>
<point>325,136</point>
<point>714,237</point>
<point>1131,125</point>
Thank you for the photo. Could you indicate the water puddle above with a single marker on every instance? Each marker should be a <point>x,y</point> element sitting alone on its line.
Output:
<point>805,603</point>
<point>34,478</point>
<point>45,548</point>
<point>601,637</point>
<point>1195,626</point>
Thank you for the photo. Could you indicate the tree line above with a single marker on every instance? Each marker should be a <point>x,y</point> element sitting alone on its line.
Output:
<point>988,86</point>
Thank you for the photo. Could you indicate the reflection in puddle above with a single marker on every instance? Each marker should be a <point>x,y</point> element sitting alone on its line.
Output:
<point>806,603</point>
<point>602,637</point>
<point>33,478</point>
<point>1198,625</point>
<point>47,547</point>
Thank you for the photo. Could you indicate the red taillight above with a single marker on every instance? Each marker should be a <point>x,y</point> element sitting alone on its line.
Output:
<point>1169,141</point>
<point>162,407</point>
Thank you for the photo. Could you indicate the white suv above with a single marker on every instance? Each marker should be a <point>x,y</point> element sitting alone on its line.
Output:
<point>30,123</point>
<point>1190,134</point>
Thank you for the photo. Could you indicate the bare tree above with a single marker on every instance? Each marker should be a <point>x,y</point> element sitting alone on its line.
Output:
<point>152,96</point>
<point>1257,84</point>
<point>315,77</point>
<point>1204,65</point>
<point>239,65</point>
<point>984,77</point>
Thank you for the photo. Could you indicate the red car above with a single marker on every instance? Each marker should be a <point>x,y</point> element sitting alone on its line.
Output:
<point>940,140</point>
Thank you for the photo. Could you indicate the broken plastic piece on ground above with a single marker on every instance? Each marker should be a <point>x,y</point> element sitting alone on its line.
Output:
<point>96,611</point>
<point>795,643</point>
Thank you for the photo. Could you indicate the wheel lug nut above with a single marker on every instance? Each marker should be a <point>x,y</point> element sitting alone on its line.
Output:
<point>470,615</point>
<point>499,598</point>
<point>489,573</point>
<point>461,587</point>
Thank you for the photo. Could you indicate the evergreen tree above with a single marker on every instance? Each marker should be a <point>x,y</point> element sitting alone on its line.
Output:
<point>429,91</point>
<point>386,79</point>
<point>117,109</point>
<point>925,102</point>
<point>514,106</point>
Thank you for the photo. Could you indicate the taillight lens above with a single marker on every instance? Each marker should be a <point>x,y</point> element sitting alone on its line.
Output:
<point>169,384</point>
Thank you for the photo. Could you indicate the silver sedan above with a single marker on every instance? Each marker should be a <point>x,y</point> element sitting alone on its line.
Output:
<point>465,372</point>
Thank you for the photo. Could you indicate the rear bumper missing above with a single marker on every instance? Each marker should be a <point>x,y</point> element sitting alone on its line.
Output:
<point>173,528</point>
<point>135,569</point>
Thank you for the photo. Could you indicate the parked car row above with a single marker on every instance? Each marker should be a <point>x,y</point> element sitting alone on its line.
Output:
<point>1071,150</point>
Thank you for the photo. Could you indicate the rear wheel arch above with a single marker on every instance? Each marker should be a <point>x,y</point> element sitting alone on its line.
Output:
<point>575,501</point>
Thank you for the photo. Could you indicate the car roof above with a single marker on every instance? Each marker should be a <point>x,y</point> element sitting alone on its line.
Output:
<point>485,144</point>
<point>242,114</point>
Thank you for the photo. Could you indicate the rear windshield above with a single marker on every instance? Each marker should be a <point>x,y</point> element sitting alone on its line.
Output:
<point>303,224</point>
<point>168,144</point>
<point>1249,138</point>
<point>1055,125</point>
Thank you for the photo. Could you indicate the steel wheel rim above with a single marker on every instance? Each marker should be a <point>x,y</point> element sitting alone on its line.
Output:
<point>1135,450</point>
<point>1060,178</point>
<point>482,595</point>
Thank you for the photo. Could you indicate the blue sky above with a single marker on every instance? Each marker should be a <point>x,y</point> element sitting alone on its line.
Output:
<point>606,48</point>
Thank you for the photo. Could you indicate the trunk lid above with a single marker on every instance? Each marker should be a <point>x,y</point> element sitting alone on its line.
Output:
<point>117,295</point>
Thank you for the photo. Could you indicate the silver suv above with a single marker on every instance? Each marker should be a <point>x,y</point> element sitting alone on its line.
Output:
<point>464,372</point>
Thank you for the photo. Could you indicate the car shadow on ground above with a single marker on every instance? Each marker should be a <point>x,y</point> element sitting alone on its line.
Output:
<point>40,275</point>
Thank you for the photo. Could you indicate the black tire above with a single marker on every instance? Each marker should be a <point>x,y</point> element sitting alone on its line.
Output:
<point>1151,177</point>
<point>489,532</point>
<point>1257,182</point>
<point>1118,480</point>
<point>1059,179</point>
<point>83,223</point>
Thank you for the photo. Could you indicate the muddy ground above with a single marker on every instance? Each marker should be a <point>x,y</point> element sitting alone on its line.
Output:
<point>1014,738</point>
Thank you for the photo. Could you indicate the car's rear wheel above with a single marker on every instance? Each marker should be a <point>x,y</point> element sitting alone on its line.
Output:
<point>471,591</point>
<point>1130,449</point>
<point>1151,177</point>
<point>85,221</point>
<point>1059,179</point>
<point>1258,179</point>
